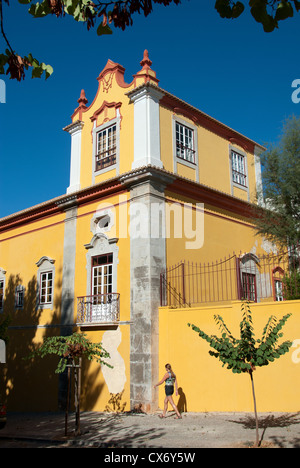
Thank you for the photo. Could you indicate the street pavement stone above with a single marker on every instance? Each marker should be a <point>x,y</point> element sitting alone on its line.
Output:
<point>131,430</point>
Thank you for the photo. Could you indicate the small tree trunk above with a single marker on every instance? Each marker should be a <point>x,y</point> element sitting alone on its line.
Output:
<point>68,402</point>
<point>255,411</point>
<point>77,396</point>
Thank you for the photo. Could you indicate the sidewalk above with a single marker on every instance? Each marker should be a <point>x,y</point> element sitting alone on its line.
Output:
<point>130,430</point>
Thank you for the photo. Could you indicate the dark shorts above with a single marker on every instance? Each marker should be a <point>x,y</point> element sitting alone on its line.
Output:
<point>169,390</point>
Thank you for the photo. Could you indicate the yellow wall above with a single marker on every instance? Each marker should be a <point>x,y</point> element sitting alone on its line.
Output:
<point>214,166</point>
<point>116,203</point>
<point>95,391</point>
<point>213,150</point>
<point>222,234</point>
<point>30,385</point>
<point>21,248</point>
<point>113,94</point>
<point>33,385</point>
<point>205,384</point>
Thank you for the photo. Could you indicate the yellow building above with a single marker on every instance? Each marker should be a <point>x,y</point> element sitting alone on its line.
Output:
<point>153,182</point>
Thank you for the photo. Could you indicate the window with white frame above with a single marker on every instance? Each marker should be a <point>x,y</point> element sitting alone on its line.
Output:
<point>239,174</point>
<point>46,277</point>
<point>278,275</point>
<point>106,147</point>
<point>46,287</point>
<point>102,275</point>
<point>19,297</point>
<point>185,147</point>
<point>278,290</point>
<point>248,268</point>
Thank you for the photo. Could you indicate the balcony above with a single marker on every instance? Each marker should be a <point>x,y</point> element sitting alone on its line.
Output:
<point>98,310</point>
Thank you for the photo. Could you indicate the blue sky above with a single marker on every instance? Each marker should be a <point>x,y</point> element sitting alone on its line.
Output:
<point>229,69</point>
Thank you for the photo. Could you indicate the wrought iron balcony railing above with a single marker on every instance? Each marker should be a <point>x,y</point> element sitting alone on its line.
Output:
<point>103,308</point>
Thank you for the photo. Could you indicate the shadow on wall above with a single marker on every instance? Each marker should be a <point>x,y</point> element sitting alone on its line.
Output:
<point>115,404</point>
<point>182,404</point>
<point>32,384</point>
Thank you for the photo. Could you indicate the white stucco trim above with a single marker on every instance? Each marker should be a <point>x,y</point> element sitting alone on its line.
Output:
<point>146,127</point>
<point>75,130</point>
<point>258,177</point>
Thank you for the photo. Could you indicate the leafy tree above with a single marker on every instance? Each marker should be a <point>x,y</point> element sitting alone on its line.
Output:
<point>92,13</point>
<point>70,350</point>
<point>266,12</point>
<point>243,355</point>
<point>4,324</point>
<point>280,220</point>
<point>291,286</point>
<point>119,13</point>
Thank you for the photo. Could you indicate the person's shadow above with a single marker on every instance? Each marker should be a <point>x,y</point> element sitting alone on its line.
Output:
<point>181,405</point>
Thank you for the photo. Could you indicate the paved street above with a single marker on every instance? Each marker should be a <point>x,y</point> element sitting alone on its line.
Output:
<point>141,431</point>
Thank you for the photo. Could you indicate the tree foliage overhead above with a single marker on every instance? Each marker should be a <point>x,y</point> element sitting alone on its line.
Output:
<point>244,354</point>
<point>266,12</point>
<point>280,221</point>
<point>103,14</point>
<point>93,13</point>
<point>70,348</point>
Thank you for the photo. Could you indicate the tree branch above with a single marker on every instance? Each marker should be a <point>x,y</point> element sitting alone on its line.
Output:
<point>2,28</point>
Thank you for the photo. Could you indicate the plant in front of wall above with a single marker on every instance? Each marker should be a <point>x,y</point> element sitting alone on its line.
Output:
<point>245,354</point>
<point>70,350</point>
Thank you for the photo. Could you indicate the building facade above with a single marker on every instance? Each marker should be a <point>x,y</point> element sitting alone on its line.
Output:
<point>153,181</point>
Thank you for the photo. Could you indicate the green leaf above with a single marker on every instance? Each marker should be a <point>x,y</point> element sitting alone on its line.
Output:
<point>237,9</point>
<point>39,10</point>
<point>297,5</point>
<point>37,72</point>
<point>284,11</point>
<point>223,8</point>
<point>47,69</point>
<point>3,62</point>
<point>102,30</point>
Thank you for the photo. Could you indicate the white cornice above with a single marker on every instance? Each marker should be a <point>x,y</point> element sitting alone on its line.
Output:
<point>74,127</point>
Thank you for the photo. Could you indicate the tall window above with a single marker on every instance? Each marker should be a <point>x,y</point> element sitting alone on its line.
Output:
<point>46,287</point>
<point>278,275</point>
<point>106,151</point>
<point>19,297</point>
<point>278,290</point>
<point>46,276</point>
<point>185,143</point>
<point>102,276</point>
<point>238,169</point>
<point>249,287</point>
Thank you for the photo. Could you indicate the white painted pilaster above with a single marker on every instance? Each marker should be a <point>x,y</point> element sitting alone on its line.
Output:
<point>146,127</point>
<point>75,131</point>
<point>258,177</point>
